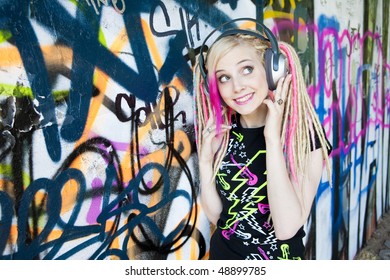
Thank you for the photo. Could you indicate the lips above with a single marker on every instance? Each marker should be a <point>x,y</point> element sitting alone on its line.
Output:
<point>244,99</point>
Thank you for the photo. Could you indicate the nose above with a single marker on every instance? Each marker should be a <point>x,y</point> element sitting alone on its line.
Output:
<point>238,85</point>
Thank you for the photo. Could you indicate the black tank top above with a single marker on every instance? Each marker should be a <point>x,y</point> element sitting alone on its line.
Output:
<point>244,230</point>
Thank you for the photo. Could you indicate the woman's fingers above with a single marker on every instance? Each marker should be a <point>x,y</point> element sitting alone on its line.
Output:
<point>211,130</point>
<point>276,108</point>
<point>282,90</point>
<point>211,140</point>
<point>209,124</point>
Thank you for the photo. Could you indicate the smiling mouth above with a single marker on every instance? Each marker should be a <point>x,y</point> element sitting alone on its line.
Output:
<point>244,99</point>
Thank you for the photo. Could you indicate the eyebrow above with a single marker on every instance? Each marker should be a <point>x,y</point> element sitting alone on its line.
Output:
<point>241,61</point>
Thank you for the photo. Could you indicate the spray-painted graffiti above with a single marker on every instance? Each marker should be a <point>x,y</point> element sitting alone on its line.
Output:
<point>97,157</point>
<point>352,87</point>
<point>119,6</point>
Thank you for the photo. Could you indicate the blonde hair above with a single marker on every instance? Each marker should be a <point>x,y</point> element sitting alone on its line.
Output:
<point>300,122</point>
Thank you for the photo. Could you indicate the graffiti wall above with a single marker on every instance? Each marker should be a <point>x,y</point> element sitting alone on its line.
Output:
<point>97,144</point>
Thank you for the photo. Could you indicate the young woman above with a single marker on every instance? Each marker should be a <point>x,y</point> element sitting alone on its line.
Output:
<point>261,152</point>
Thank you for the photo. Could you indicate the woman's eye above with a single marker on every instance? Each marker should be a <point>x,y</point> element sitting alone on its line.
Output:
<point>248,70</point>
<point>223,79</point>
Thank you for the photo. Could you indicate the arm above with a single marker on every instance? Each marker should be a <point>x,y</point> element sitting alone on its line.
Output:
<point>209,198</point>
<point>290,204</point>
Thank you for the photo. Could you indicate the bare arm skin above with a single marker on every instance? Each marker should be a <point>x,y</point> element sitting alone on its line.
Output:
<point>290,202</point>
<point>209,197</point>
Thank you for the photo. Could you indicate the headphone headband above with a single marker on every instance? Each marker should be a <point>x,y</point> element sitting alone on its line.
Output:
<point>230,32</point>
<point>273,53</point>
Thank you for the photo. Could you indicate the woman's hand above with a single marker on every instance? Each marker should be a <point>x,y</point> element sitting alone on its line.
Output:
<point>211,141</point>
<point>273,122</point>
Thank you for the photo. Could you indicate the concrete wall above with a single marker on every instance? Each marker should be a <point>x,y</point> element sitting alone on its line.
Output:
<point>97,155</point>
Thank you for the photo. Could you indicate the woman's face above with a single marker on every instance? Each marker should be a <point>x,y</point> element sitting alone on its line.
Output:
<point>241,80</point>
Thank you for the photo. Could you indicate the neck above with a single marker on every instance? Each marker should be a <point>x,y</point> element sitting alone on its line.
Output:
<point>255,119</point>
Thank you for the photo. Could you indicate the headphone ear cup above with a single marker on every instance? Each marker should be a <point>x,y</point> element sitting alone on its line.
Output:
<point>273,76</point>
<point>268,61</point>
